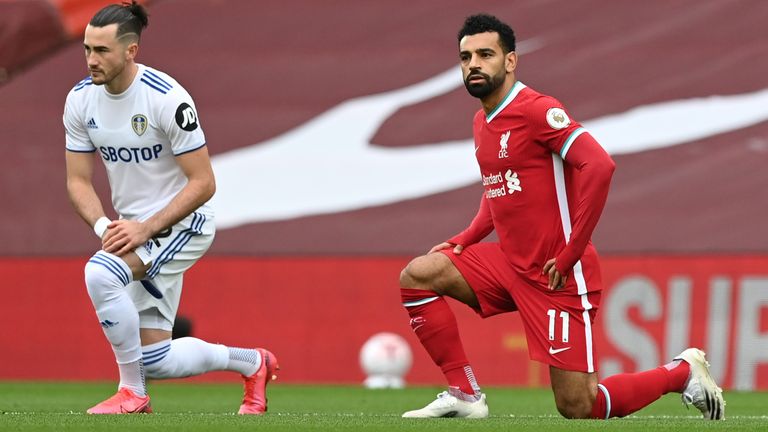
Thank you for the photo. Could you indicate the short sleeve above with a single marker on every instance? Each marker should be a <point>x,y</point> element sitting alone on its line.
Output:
<point>552,126</point>
<point>181,123</point>
<point>76,135</point>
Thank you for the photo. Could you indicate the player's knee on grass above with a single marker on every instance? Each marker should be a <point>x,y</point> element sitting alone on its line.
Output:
<point>574,405</point>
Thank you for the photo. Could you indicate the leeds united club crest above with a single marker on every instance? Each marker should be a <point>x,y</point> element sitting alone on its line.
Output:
<point>139,124</point>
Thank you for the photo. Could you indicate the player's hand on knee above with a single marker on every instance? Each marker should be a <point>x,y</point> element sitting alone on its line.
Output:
<point>445,245</point>
<point>124,236</point>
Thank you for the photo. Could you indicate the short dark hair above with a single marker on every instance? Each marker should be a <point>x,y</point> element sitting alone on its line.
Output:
<point>482,23</point>
<point>129,17</point>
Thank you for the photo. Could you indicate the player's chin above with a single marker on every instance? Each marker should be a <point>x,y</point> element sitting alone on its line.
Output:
<point>478,90</point>
<point>98,78</point>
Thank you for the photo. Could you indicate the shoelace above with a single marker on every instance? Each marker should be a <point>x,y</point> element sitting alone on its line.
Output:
<point>444,399</point>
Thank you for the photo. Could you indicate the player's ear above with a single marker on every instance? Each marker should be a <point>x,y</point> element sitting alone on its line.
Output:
<point>510,62</point>
<point>131,50</point>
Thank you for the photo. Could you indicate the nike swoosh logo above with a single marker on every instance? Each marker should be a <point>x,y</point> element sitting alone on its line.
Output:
<point>553,351</point>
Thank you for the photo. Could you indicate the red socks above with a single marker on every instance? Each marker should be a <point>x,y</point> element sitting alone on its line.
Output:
<point>623,394</point>
<point>435,325</point>
<point>617,396</point>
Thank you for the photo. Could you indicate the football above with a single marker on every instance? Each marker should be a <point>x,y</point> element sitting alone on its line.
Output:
<point>385,358</point>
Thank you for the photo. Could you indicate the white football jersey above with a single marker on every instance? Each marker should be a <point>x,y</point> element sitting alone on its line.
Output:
<point>137,134</point>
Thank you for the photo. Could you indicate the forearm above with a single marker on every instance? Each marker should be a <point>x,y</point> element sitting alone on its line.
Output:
<point>594,179</point>
<point>84,199</point>
<point>481,226</point>
<point>190,198</point>
<point>588,215</point>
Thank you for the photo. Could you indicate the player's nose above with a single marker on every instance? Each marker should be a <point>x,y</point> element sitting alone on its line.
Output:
<point>474,63</point>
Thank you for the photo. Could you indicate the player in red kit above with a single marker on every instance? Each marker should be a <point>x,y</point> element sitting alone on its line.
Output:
<point>545,182</point>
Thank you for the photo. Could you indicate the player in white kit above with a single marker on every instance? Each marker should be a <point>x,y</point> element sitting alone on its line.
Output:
<point>143,125</point>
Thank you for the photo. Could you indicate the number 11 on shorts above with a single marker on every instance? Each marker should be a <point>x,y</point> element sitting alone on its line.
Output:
<point>563,318</point>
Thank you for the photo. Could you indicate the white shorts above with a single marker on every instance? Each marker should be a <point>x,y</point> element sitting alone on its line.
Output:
<point>170,253</point>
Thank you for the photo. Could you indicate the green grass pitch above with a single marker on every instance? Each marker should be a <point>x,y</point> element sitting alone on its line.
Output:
<point>179,406</point>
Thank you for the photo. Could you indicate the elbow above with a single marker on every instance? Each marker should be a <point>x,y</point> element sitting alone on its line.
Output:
<point>608,167</point>
<point>203,188</point>
<point>210,189</point>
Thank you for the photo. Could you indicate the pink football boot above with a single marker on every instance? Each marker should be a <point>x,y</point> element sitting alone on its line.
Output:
<point>255,394</point>
<point>123,402</point>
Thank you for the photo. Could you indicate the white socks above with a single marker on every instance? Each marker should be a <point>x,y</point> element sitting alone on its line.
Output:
<point>245,361</point>
<point>132,377</point>
<point>190,356</point>
<point>183,357</point>
<point>106,276</point>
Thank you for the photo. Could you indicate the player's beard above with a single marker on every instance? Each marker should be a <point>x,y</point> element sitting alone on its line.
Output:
<point>489,85</point>
<point>106,77</point>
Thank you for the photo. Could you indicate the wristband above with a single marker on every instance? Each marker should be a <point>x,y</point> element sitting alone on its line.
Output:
<point>101,226</point>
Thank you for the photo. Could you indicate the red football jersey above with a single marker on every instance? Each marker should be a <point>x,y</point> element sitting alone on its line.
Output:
<point>546,181</point>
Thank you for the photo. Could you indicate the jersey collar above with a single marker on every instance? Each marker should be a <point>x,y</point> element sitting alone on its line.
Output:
<point>516,88</point>
<point>139,72</point>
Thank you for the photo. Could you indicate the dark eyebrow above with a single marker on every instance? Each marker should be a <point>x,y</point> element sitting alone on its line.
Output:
<point>85,45</point>
<point>479,50</point>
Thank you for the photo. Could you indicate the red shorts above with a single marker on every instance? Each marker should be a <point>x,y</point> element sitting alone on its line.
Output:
<point>558,324</point>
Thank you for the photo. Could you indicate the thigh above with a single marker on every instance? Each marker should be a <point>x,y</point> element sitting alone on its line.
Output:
<point>157,312</point>
<point>558,326</point>
<point>158,294</point>
<point>488,273</point>
<point>137,266</point>
<point>435,272</point>
<point>572,382</point>
<point>180,248</point>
